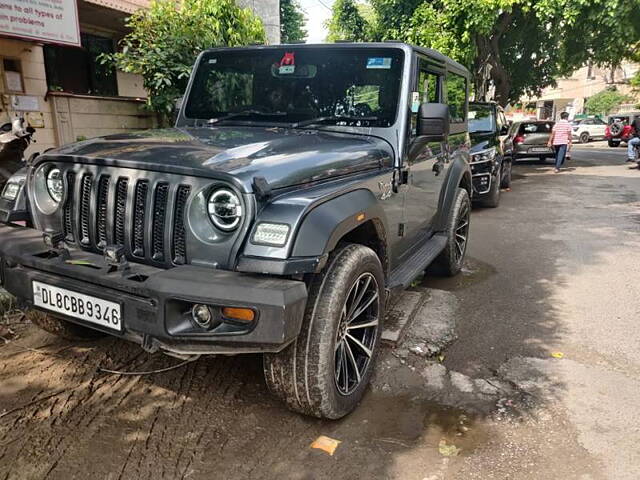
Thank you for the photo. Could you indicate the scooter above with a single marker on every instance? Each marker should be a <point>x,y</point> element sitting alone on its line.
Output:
<point>15,137</point>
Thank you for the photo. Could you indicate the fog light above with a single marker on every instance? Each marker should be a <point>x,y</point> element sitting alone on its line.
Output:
<point>201,314</point>
<point>240,314</point>
<point>271,234</point>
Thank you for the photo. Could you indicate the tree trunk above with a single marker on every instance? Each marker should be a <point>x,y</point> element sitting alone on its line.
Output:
<point>488,53</point>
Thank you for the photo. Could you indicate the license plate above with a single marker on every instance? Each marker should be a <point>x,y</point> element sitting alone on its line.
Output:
<point>77,305</point>
<point>540,149</point>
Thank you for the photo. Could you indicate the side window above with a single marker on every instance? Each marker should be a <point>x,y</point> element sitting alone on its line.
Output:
<point>457,97</point>
<point>428,88</point>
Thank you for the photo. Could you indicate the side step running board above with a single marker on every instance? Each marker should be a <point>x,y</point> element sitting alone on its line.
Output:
<point>404,274</point>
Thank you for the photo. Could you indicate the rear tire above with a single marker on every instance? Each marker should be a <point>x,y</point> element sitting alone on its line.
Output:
<point>613,144</point>
<point>449,262</point>
<point>317,374</point>
<point>62,328</point>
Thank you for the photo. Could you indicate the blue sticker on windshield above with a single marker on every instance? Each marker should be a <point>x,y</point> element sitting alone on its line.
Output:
<point>379,62</point>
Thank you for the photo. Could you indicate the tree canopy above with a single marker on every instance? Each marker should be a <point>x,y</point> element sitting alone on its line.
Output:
<point>347,22</point>
<point>292,22</point>
<point>165,39</point>
<point>517,46</point>
<point>605,102</point>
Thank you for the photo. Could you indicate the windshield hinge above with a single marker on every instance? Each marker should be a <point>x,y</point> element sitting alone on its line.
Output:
<point>261,188</point>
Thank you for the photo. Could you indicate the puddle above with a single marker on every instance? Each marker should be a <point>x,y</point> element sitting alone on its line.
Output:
<point>473,272</point>
<point>401,422</point>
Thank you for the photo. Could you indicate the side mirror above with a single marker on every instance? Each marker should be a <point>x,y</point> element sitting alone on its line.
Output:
<point>433,121</point>
<point>504,130</point>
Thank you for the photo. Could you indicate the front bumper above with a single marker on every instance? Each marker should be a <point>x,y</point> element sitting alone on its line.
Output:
<point>154,300</point>
<point>483,174</point>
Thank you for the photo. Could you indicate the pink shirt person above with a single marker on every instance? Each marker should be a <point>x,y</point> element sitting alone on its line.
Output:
<point>561,133</point>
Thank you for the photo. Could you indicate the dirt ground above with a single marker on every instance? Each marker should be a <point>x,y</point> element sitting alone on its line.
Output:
<point>524,366</point>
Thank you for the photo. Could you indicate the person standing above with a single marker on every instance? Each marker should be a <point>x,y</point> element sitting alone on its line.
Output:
<point>560,139</point>
<point>635,125</point>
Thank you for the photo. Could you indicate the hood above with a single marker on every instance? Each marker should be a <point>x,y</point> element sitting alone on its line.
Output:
<point>283,156</point>
<point>481,141</point>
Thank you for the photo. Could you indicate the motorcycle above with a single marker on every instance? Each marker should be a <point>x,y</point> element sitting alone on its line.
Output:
<point>15,137</point>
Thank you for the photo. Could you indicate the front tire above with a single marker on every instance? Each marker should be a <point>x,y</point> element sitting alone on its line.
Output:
<point>584,137</point>
<point>449,262</point>
<point>62,328</point>
<point>326,370</point>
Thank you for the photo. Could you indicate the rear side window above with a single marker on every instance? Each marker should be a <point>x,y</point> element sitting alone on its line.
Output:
<point>457,97</point>
<point>536,127</point>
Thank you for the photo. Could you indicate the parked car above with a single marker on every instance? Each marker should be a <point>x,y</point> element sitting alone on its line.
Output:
<point>292,197</point>
<point>14,208</point>
<point>587,129</point>
<point>619,128</point>
<point>491,151</point>
<point>530,139</point>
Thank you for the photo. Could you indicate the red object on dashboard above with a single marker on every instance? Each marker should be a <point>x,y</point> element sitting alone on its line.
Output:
<point>518,139</point>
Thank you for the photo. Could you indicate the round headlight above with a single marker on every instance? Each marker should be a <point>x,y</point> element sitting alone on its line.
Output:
<point>225,209</point>
<point>55,186</point>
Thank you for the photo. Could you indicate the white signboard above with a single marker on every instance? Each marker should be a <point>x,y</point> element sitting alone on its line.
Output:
<point>50,21</point>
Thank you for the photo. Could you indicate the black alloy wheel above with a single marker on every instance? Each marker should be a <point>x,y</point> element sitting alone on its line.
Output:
<point>356,334</point>
<point>462,232</point>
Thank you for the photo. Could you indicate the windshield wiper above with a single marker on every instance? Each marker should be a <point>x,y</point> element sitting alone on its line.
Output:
<point>245,113</point>
<point>311,121</point>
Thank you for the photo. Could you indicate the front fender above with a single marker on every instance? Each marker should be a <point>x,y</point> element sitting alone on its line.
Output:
<point>318,222</point>
<point>325,225</point>
<point>459,174</point>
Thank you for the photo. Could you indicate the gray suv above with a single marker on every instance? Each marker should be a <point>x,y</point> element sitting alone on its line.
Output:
<point>300,187</point>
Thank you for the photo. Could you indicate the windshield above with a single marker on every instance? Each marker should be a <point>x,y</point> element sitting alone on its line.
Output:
<point>536,127</point>
<point>481,119</point>
<point>328,86</point>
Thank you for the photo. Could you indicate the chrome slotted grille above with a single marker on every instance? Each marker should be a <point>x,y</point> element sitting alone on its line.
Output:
<point>101,212</point>
<point>85,209</point>
<point>179,241</point>
<point>109,209</point>
<point>139,212</point>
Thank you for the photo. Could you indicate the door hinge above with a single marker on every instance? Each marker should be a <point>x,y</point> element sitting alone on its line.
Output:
<point>401,229</point>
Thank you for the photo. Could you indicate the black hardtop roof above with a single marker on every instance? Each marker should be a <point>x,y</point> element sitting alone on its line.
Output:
<point>433,54</point>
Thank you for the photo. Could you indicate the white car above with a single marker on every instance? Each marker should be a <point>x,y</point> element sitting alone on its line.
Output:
<point>588,129</point>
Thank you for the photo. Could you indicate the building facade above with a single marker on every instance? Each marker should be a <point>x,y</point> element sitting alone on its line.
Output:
<point>571,93</point>
<point>51,75</point>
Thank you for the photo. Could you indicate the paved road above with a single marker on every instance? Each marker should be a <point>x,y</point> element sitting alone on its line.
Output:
<point>555,269</point>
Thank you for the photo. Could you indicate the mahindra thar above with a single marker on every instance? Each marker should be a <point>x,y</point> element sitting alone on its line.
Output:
<point>300,187</point>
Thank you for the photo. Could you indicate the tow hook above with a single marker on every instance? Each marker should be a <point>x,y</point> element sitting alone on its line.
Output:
<point>149,344</point>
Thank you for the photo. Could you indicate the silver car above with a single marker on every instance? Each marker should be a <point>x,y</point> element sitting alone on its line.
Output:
<point>530,139</point>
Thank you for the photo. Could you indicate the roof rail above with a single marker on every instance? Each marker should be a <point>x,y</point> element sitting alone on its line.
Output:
<point>343,41</point>
<point>393,41</point>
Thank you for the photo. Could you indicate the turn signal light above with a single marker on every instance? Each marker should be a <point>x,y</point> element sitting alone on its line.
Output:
<point>240,314</point>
